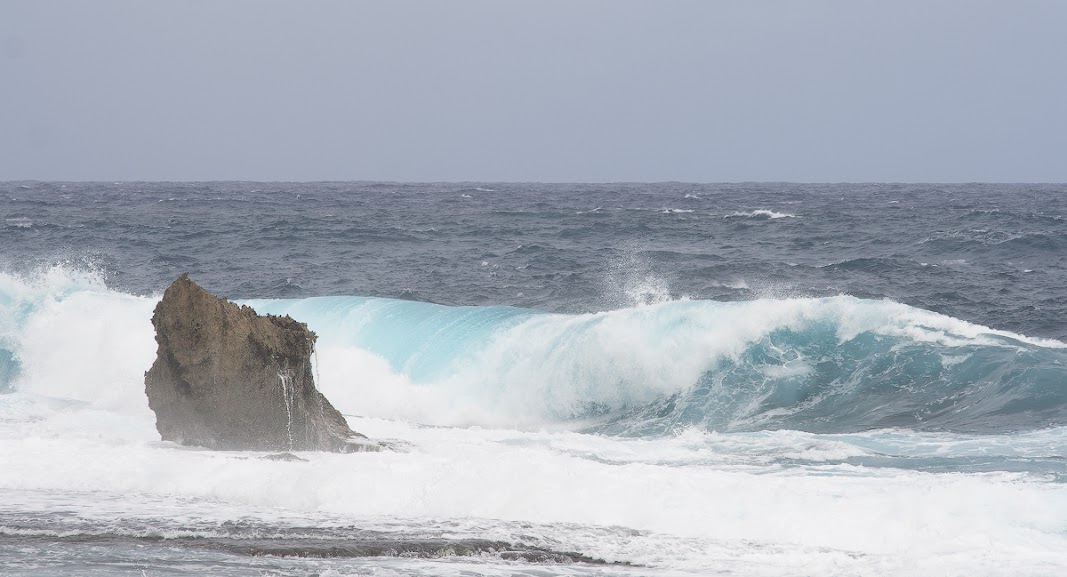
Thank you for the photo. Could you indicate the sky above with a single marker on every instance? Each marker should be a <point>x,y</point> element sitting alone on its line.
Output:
<point>524,91</point>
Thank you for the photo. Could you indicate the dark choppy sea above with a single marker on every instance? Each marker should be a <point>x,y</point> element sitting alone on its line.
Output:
<point>608,379</point>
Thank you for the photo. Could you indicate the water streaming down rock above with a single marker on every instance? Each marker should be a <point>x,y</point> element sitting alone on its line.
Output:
<point>286,379</point>
<point>227,378</point>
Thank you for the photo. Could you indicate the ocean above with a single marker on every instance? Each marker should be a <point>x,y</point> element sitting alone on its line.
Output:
<point>580,379</point>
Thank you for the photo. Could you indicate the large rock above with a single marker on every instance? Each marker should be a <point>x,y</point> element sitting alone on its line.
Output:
<point>227,378</point>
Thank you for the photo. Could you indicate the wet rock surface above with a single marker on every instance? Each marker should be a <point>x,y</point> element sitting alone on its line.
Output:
<point>412,548</point>
<point>227,378</point>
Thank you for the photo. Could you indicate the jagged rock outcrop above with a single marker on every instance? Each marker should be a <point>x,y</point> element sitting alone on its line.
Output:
<point>227,378</point>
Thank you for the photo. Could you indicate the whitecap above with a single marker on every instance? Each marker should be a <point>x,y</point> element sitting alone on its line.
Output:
<point>761,214</point>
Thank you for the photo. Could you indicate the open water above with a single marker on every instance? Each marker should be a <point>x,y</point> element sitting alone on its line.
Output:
<point>632,379</point>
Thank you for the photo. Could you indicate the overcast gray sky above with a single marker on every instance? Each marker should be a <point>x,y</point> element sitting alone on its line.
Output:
<point>496,90</point>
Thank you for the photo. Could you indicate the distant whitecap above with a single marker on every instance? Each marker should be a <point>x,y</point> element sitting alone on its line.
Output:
<point>761,214</point>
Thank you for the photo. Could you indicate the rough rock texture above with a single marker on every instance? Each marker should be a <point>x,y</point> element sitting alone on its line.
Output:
<point>227,378</point>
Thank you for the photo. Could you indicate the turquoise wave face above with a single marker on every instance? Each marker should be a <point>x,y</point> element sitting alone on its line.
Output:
<point>837,364</point>
<point>421,340</point>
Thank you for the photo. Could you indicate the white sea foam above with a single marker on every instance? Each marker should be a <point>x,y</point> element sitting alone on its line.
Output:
<point>77,436</point>
<point>685,503</point>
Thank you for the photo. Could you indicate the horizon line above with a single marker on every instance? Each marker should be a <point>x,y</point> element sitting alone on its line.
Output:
<point>526,182</point>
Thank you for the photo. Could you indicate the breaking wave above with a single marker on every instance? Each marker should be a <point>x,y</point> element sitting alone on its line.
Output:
<point>834,364</point>
<point>838,364</point>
